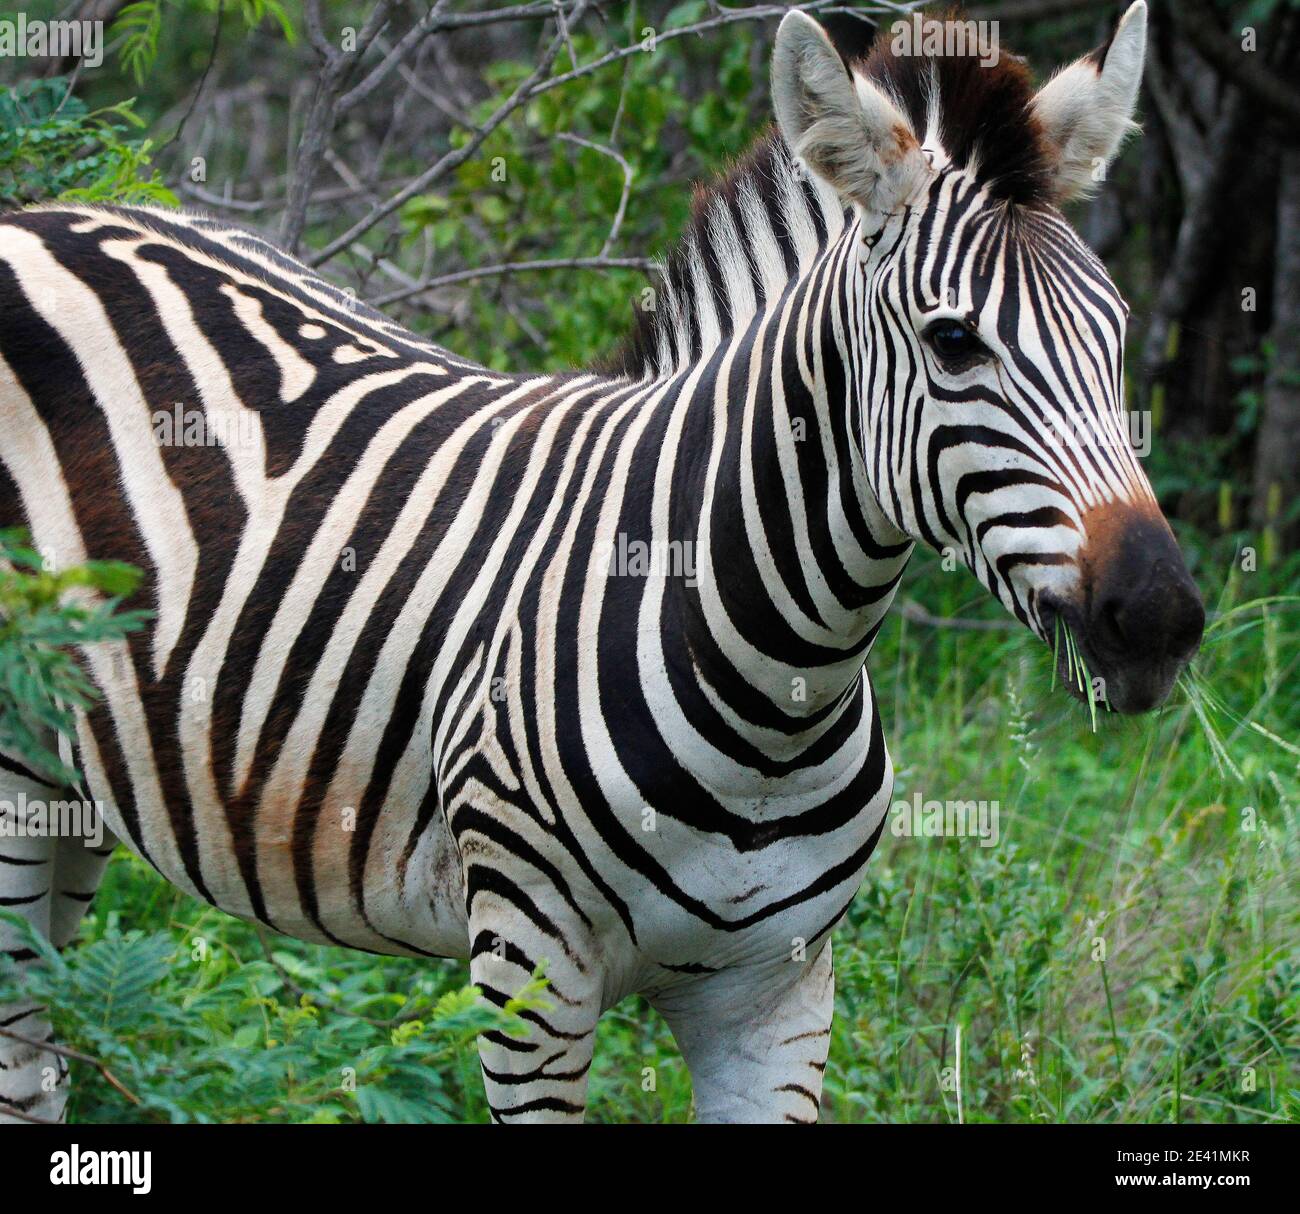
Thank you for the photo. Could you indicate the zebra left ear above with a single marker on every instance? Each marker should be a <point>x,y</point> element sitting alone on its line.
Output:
<point>839,124</point>
<point>1086,109</point>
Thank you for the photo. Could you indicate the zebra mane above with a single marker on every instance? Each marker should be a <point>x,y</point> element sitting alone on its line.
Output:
<point>762,223</point>
<point>752,232</point>
<point>981,113</point>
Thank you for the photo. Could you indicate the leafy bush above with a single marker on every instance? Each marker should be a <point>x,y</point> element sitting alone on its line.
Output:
<point>41,616</point>
<point>53,147</point>
<point>216,1024</point>
<point>530,192</point>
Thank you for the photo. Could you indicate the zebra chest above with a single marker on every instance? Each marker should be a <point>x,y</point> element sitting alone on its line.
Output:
<point>692,872</point>
<point>700,901</point>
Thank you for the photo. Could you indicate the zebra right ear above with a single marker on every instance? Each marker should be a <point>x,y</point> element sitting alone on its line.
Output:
<point>1086,109</point>
<point>840,125</point>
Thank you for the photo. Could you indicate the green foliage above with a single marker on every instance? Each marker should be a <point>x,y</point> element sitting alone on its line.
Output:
<point>53,147</point>
<point>138,26</point>
<point>1128,951</point>
<point>42,614</point>
<point>198,1018</point>
<point>527,194</point>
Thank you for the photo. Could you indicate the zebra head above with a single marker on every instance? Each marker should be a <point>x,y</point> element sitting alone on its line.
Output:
<point>985,339</point>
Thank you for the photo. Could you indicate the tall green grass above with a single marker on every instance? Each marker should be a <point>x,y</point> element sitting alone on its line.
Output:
<point>1128,952</point>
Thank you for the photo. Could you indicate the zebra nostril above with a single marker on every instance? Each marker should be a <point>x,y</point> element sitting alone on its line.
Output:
<point>1110,624</point>
<point>1159,617</point>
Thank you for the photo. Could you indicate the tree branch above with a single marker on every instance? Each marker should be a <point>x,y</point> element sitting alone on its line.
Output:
<point>535,85</point>
<point>404,46</point>
<point>207,68</point>
<point>614,227</point>
<point>10,1110</point>
<point>644,264</point>
<point>337,69</point>
<point>914,613</point>
<point>49,1047</point>
<point>1247,70</point>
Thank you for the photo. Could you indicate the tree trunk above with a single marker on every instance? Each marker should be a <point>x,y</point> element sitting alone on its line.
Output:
<point>1277,458</point>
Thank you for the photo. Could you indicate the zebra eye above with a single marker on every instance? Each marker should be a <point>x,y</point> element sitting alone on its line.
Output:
<point>956,346</point>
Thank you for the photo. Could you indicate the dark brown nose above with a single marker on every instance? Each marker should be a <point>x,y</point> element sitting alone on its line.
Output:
<point>1158,615</point>
<point>1142,613</point>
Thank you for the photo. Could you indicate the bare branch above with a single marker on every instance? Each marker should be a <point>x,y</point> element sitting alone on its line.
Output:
<point>564,32</point>
<point>337,69</point>
<point>437,21</point>
<point>207,68</point>
<point>627,184</point>
<point>644,264</point>
<point>444,104</point>
<point>63,1051</point>
<point>316,32</point>
<point>452,159</point>
<point>914,613</point>
<point>10,1110</point>
<point>250,206</point>
<point>393,58</point>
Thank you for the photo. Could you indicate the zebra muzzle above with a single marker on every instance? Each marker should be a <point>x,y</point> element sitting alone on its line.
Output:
<point>1138,620</point>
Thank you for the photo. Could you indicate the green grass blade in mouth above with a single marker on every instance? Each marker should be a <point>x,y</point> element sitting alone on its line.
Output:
<point>1085,682</point>
<point>1077,671</point>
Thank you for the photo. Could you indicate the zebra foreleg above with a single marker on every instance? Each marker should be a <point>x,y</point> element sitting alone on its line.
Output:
<point>542,1076</point>
<point>33,1081</point>
<point>50,866</point>
<point>79,865</point>
<point>755,1041</point>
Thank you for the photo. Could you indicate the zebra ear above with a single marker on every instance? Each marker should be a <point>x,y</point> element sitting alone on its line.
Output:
<point>840,125</point>
<point>1086,109</point>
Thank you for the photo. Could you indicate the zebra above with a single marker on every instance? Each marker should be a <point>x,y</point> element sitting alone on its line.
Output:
<point>417,682</point>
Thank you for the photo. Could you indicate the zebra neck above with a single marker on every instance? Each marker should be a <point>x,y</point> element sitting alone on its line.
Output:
<point>796,563</point>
